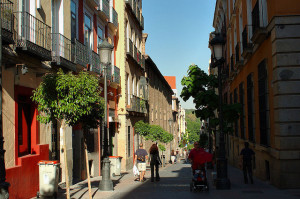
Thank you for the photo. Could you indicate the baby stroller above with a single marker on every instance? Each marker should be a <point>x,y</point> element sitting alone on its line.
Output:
<point>199,180</point>
<point>199,166</point>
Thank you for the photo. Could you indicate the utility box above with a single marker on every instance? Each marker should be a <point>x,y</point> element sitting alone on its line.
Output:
<point>115,165</point>
<point>48,178</point>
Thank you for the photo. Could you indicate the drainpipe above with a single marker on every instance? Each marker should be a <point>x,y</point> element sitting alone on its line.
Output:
<point>3,185</point>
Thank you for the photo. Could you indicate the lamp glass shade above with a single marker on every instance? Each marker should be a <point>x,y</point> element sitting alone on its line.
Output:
<point>218,51</point>
<point>170,122</point>
<point>105,51</point>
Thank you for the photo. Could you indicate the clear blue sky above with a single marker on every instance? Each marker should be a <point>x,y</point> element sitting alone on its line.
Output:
<point>178,32</point>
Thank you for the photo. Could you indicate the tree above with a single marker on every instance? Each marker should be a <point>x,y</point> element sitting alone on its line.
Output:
<point>202,88</point>
<point>153,132</point>
<point>70,99</point>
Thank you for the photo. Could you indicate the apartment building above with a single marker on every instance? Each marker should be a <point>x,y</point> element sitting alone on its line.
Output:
<point>40,37</point>
<point>262,73</point>
<point>133,102</point>
<point>175,113</point>
<point>160,103</point>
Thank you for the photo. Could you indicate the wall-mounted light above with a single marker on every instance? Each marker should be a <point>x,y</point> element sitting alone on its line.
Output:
<point>38,5</point>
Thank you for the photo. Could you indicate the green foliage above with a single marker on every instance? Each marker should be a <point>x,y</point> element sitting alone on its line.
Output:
<point>73,98</point>
<point>153,132</point>
<point>203,140</point>
<point>161,147</point>
<point>190,146</point>
<point>202,88</point>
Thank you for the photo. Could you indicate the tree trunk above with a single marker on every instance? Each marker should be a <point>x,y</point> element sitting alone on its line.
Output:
<point>87,165</point>
<point>63,128</point>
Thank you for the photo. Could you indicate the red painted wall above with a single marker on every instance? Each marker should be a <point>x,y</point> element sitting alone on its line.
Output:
<point>80,21</point>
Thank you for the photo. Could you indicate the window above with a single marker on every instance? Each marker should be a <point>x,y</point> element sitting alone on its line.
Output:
<point>236,125</point>
<point>242,115</point>
<point>263,104</point>
<point>128,142</point>
<point>99,36</point>
<point>87,30</point>
<point>250,105</point>
<point>73,21</point>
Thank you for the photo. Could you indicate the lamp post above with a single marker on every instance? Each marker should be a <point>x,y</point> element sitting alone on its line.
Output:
<point>3,185</point>
<point>105,50</point>
<point>217,45</point>
<point>170,123</point>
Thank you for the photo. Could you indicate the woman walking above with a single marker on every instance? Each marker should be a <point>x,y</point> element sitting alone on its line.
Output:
<point>154,162</point>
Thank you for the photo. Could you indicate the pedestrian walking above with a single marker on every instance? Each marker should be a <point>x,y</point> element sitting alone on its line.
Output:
<point>173,157</point>
<point>247,155</point>
<point>140,158</point>
<point>154,162</point>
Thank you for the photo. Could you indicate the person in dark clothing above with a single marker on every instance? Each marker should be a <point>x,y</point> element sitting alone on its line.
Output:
<point>154,162</point>
<point>247,156</point>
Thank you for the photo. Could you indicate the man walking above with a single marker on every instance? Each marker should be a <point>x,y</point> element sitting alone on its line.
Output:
<point>140,158</point>
<point>247,154</point>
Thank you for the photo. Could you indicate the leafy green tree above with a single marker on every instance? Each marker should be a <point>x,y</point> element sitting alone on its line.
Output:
<point>70,99</point>
<point>202,88</point>
<point>153,132</point>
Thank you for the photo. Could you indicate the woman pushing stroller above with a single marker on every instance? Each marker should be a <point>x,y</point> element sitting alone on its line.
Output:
<point>198,157</point>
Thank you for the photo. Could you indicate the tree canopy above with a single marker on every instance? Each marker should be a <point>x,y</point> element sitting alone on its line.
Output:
<point>153,132</point>
<point>70,97</point>
<point>202,88</point>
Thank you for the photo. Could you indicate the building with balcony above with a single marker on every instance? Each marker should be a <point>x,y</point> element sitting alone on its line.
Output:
<point>160,103</point>
<point>133,103</point>
<point>41,37</point>
<point>261,54</point>
<point>175,112</point>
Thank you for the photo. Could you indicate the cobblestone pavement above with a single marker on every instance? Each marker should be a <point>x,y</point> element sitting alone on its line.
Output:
<point>175,183</point>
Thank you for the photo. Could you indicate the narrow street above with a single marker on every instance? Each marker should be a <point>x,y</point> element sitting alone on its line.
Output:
<point>175,180</point>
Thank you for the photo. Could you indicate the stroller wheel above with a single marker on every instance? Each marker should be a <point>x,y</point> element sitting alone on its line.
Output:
<point>191,187</point>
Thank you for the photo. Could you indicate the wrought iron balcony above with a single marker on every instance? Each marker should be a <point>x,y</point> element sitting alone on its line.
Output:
<point>238,61</point>
<point>259,32</point>
<point>109,72</point>
<point>104,7</point>
<point>138,105</point>
<point>139,56</point>
<point>136,12</point>
<point>62,51</point>
<point>143,63</point>
<point>135,53</point>
<point>116,76</point>
<point>33,35</point>
<point>129,50</point>
<point>7,22</point>
<point>113,19</point>
<point>247,44</point>
<point>80,53</point>
<point>95,62</point>
<point>142,21</point>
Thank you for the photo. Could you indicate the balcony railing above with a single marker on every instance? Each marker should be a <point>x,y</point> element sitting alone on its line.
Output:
<point>116,75</point>
<point>139,56</point>
<point>33,35</point>
<point>232,63</point>
<point>247,44</point>
<point>113,16</point>
<point>136,11</point>
<point>95,62</point>
<point>143,62</point>
<point>7,21</point>
<point>237,52</point>
<point>109,72</point>
<point>138,104</point>
<point>104,7</point>
<point>142,21</point>
<point>138,14</point>
<point>129,47</point>
<point>259,32</point>
<point>62,51</point>
<point>80,53</point>
<point>255,17</point>
<point>135,53</point>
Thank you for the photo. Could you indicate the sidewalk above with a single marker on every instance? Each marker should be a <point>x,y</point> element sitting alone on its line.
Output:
<point>175,180</point>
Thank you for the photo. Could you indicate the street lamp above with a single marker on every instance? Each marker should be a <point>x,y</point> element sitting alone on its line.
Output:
<point>170,123</point>
<point>105,50</point>
<point>217,45</point>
